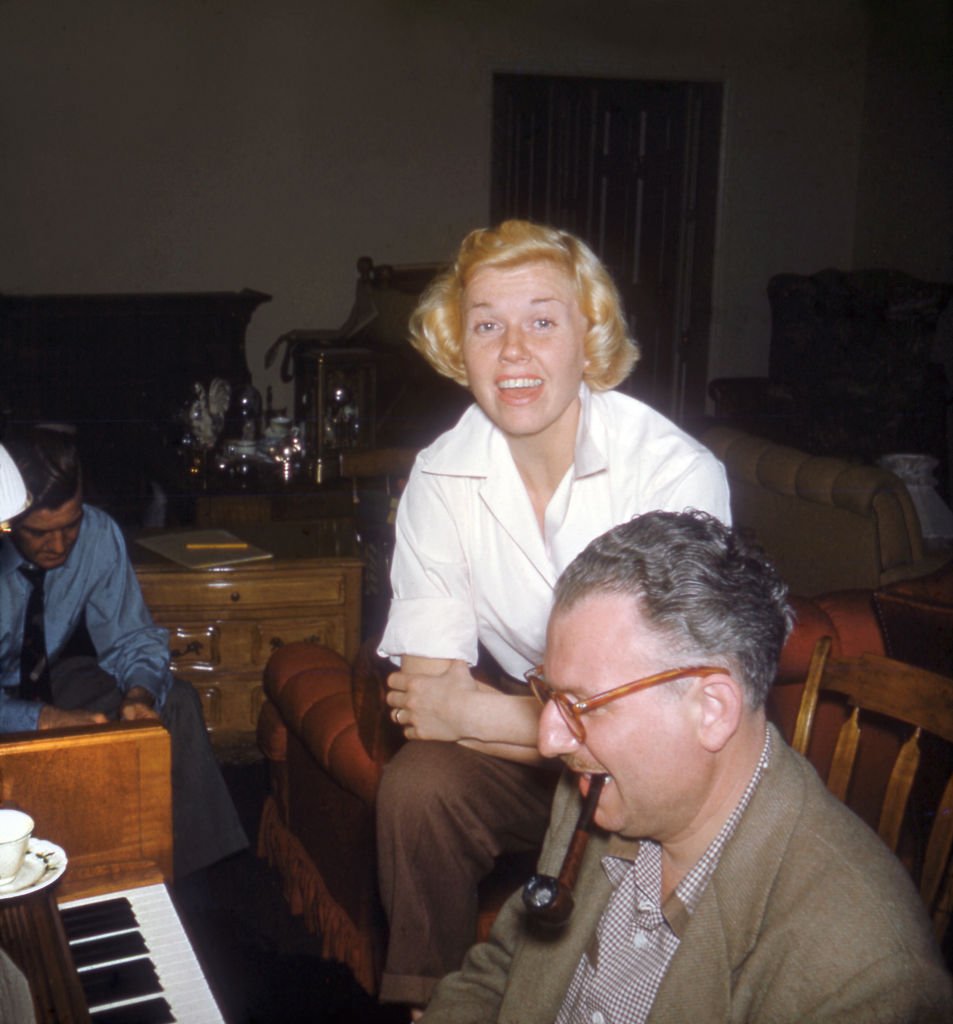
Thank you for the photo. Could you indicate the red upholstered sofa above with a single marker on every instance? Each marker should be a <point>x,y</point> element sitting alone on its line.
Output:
<point>325,734</point>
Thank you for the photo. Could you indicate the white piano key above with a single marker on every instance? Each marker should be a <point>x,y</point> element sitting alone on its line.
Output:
<point>183,985</point>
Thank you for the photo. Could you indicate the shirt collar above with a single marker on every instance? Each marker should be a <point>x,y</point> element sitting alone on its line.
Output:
<point>591,454</point>
<point>681,904</point>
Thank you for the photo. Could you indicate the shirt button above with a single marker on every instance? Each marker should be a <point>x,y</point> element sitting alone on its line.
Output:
<point>641,940</point>
<point>597,1018</point>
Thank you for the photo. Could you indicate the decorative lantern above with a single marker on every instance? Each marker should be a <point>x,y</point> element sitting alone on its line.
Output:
<point>335,392</point>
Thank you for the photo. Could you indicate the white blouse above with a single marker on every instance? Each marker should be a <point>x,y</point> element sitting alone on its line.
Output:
<point>470,563</point>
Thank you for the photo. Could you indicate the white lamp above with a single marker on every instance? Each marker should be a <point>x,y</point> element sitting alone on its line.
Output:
<point>13,496</point>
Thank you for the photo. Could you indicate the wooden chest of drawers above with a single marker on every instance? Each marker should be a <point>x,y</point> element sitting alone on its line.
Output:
<point>224,624</point>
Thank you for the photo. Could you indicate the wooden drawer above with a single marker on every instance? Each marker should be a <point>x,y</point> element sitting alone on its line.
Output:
<point>329,630</point>
<point>195,646</point>
<point>239,644</point>
<point>247,592</point>
<point>224,625</point>
<point>229,705</point>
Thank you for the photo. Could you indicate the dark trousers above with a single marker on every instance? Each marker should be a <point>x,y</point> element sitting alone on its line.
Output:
<point>444,813</point>
<point>205,824</point>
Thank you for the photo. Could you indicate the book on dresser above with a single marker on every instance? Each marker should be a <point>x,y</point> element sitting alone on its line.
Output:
<point>203,549</point>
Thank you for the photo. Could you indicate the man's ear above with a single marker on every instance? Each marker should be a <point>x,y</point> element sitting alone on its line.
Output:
<point>720,707</point>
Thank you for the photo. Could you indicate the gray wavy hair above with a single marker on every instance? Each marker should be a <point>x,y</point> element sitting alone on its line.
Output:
<point>713,596</point>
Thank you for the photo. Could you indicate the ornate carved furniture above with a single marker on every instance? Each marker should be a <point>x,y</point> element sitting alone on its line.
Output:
<point>225,623</point>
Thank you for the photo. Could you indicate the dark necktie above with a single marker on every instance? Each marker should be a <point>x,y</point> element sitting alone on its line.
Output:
<point>34,667</point>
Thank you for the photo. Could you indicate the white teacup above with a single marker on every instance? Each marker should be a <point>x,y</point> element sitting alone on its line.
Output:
<point>16,827</point>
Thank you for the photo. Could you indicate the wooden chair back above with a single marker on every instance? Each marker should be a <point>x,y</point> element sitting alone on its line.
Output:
<point>922,702</point>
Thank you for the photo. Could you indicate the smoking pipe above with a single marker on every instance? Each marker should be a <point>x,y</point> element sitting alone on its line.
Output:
<point>549,899</point>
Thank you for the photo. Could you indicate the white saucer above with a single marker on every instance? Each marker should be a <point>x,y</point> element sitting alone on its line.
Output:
<point>43,864</point>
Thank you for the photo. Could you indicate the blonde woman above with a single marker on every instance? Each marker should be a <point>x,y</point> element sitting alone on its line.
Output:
<point>547,458</point>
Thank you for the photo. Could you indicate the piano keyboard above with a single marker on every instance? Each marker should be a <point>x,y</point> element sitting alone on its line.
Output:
<point>135,962</point>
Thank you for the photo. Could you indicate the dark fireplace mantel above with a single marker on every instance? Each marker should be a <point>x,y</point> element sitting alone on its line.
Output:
<point>119,367</point>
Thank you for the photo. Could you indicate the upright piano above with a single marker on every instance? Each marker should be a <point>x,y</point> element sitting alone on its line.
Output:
<point>104,943</point>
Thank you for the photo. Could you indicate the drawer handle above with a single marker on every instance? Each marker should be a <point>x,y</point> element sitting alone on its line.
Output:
<point>192,648</point>
<point>234,596</point>
<point>277,642</point>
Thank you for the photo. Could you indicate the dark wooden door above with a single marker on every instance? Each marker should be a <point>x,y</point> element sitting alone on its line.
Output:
<point>630,167</point>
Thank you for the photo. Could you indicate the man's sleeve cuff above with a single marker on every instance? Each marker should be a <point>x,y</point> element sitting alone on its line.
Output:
<point>20,716</point>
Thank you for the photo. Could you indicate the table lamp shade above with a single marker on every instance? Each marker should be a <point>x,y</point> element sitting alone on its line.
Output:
<point>13,496</point>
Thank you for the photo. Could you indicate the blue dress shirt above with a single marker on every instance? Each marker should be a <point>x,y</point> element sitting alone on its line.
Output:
<point>97,578</point>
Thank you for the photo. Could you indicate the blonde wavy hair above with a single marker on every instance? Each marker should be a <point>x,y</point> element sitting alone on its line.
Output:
<point>436,325</point>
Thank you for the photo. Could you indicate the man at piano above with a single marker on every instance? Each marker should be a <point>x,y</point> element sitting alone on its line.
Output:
<point>79,647</point>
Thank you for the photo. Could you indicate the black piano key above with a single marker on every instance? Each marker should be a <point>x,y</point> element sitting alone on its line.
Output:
<point>152,1011</point>
<point>98,918</point>
<point>111,947</point>
<point>121,981</point>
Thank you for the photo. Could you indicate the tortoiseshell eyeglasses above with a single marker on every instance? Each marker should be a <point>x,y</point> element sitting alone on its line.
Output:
<point>573,710</point>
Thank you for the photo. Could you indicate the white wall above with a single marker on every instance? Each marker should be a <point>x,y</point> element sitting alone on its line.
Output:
<point>219,144</point>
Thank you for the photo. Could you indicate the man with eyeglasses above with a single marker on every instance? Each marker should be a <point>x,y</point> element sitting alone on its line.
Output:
<point>723,882</point>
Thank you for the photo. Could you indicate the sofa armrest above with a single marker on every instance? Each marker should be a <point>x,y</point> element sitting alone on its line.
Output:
<point>826,523</point>
<point>309,686</point>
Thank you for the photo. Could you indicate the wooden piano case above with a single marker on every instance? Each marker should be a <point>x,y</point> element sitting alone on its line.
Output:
<point>104,795</point>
